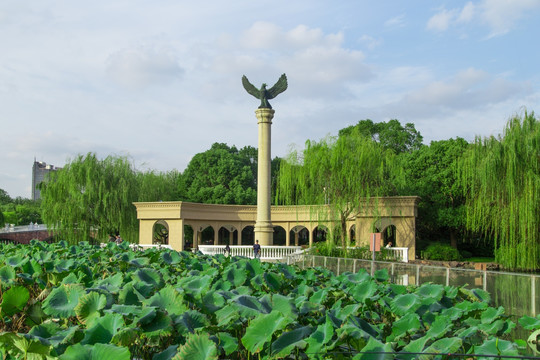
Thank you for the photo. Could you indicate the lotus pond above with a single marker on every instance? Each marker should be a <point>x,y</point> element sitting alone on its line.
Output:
<point>87,302</point>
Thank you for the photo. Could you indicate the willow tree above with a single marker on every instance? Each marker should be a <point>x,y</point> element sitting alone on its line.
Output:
<point>92,198</point>
<point>338,172</point>
<point>501,179</point>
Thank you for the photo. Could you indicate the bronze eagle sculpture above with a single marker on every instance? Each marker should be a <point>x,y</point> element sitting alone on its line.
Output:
<point>265,94</point>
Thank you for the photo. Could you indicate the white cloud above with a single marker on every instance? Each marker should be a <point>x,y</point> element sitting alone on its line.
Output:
<point>142,67</point>
<point>396,21</point>
<point>441,21</point>
<point>370,42</point>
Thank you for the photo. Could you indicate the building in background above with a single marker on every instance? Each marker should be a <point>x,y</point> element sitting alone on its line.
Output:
<point>39,174</point>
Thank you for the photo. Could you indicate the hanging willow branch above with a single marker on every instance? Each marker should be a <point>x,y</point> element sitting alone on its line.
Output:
<point>338,173</point>
<point>501,180</point>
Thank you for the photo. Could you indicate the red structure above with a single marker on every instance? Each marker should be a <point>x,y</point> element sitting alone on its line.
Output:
<point>24,237</point>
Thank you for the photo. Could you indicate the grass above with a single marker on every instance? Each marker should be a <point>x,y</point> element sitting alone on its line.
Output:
<point>480,259</point>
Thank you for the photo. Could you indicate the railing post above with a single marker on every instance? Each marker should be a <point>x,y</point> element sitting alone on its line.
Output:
<point>533,295</point>
<point>447,276</point>
<point>354,266</point>
<point>338,265</point>
<point>417,274</point>
<point>484,280</point>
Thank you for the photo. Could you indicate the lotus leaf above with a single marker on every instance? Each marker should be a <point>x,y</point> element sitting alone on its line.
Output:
<point>190,321</point>
<point>375,350</point>
<point>149,277</point>
<point>14,300</point>
<point>62,300</point>
<point>96,352</point>
<point>497,346</point>
<point>320,338</point>
<point>284,304</point>
<point>89,307</point>
<point>171,257</point>
<point>530,323</point>
<point>160,326</point>
<point>16,261</point>
<point>290,340</point>
<point>446,346</point>
<point>196,286</point>
<point>439,327</point>
<point>50,333</point>
<point>126,336</point>
<point>407,325</point>
<point>103,329</point>
<point>128,295</point>
<point>273,281</point>
<point>248,306</point>
<point>197,347</point>
<point>235,276</point>
<point>381,275</point>
<point>415,346</point>
<point>24,348</point>
<point>35,314</point>
<point>228,343</point>
<point>262,328</point>
<point>168,299</point>
<point>363,291</point>
<point>166,354</point>
<point>433,291</point>
<point>404,304</point>
<point>226,314</point>
<point>7,275</point>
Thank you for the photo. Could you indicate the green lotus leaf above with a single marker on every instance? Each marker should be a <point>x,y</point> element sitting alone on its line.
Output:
<point>439,327</point>
<point>257,282</point>
<point>161,325</point>
<point>126,336</point>
<point>273,281</point>
<point>166,354</point>
<point>32,268</point>
<point>497,327</point>
<point>197,347</point>
<point>491,314</point>
<point>14,300</point>
<point>63,265</point>
<point>89,307</point>
<point>228,343</point>
<point>236,277</point>
<point>110,283</point>
<point>363,291</point>
<point>320,337</point>
<point>319,296</point>
<point>443,346</point>
<point>126,310</point>
<point>146,315</point>
<point>212,301</point>
<point>62,301</point>
<point>453,313</point>
<point>381,275</point>
<point>226,314</point>
<point>95,352</point>
<point>168,299</point>
<point>530,323</point>
<point>7,275</point>
<point>260,330</point>
<point>70,279</point>
<point>149,277</point>
<point>16,260</point>
<point>408,324</point>
<point>196,286</point>
<point>128,295</point>
<point>50,333</point>
<point>35,314</point>
<point>103,329</point>
<point>284,304</point>
<point>434,291</point>
<point>139,262</point>
<point>252,266</point>
<point>171,257</point>
<point>410,350</point>
<point>248,306</point>
<point>29,348</point>
<point>497,346</point>
<point>403,304</point>
<point>375,350</point>
<point>190,321</point>
<point>290,340</point>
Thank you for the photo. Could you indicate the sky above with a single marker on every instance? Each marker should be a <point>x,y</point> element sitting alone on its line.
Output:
<point>159,81</point>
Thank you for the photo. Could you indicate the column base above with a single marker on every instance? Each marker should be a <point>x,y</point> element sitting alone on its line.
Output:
<point>264,233</point>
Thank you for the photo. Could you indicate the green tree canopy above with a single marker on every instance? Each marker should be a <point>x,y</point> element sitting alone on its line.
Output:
<point>339,172</point>
<point>391,135</point>
<point>501,180</point>
<point>431,174</point>
<point>90,197</point>
<point>221,175</point>
<point>4,197</point>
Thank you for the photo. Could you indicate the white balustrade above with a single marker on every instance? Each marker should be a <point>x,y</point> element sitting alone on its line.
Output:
<point>269,252</point>
<point>399,253</point>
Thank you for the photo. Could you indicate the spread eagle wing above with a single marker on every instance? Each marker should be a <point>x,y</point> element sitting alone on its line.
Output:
<point>278,88</point>
<point>250,88</point>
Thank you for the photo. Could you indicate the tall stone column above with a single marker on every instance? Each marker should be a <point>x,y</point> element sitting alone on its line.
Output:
<point>263,226</point>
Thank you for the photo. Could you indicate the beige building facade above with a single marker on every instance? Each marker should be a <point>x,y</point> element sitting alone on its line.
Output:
<point>390,215</point>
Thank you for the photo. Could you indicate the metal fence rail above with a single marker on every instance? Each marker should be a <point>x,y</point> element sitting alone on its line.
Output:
<point>518,293</point>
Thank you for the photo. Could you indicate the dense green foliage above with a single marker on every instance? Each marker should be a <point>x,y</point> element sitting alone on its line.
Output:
<point>19,211</point>
<point>431,174</point>
<point>93,198</point>
<point>338,172</point>
<point>221,175</point>
<point>83,301</point>
<point>439,251</point>
<point>501,181</point>
<point>391,135</point>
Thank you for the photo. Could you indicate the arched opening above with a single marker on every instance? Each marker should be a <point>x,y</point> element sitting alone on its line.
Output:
<point>320,233</point>
<point>303,237</point>
<point>248,235</point>
<point>389,235</point>
<point>188,237</point>
<point>207,236</point>
<point>227,235</point>
<point>160,233</point>
<point>279,236</point>
<point>352,234</point>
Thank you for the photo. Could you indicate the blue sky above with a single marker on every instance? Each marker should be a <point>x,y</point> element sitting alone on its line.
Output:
<point>160,81</point>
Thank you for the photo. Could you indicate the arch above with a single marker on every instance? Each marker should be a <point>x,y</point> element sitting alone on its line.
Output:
<point>188,236</point>
<point>227,234</point>
<point>389,235</point>
<point>280,236</point>
<point>207,235</point>
<point>248,235</point>
<point>352,233</point>
<point>160,233</point>
<point>303,237</point>
<point>320,233</point>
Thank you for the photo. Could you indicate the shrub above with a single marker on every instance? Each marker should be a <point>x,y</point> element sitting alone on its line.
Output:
<point>442,252</point>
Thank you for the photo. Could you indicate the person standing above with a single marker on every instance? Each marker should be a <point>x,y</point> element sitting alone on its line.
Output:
<point>257,250</point>
<point>227,250</point>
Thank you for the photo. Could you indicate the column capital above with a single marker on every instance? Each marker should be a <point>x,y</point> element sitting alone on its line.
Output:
<point>264,115</point>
